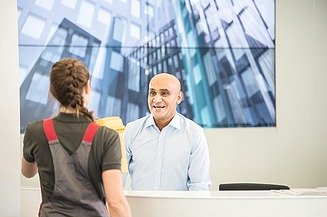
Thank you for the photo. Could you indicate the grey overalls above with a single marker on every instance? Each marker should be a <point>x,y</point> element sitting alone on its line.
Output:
<point>73,194</point>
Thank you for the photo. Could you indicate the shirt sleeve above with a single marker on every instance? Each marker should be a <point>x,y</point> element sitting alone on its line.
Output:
<point>27,146</point>
<point>198,173</point>
<point>127,139</point>
<point>111,156</point>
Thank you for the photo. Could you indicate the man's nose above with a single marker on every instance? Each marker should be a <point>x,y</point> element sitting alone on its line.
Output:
<point>157,98</point>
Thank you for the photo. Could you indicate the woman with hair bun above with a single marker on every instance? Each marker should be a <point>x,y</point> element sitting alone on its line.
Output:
<point>77,160</point>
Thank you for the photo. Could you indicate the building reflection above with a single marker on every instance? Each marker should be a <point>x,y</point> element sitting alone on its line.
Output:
<point>223,52</point>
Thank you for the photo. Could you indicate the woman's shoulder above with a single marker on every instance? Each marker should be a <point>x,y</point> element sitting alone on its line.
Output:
<point>34,127</point>
<point>107,132</point>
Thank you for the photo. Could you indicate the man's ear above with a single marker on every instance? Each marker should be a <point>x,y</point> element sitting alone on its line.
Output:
<point>180,97</point>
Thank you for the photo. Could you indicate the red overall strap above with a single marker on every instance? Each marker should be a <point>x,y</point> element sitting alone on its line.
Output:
<point>49,130</point>
<point>90,132</point>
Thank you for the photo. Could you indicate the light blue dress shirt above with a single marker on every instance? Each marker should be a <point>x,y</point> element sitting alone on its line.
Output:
<point>175,158</point>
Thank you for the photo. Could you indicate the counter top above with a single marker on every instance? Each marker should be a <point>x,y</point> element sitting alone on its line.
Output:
<point>293,193</point>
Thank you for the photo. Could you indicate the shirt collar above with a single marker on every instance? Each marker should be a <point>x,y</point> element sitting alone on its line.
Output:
<point>70,118</point>
<point>175,122</point>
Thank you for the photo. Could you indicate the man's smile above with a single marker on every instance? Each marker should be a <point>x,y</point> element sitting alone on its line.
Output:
<point>158,106</point>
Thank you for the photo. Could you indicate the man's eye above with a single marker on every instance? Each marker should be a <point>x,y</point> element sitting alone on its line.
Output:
<point>164,94</point>
<point>152,93</point>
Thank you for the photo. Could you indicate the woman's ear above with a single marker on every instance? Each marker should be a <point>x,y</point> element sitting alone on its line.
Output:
<point>87,87</point>
<point>86,93</point>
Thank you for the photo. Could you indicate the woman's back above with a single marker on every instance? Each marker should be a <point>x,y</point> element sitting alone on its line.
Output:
<point>75,158</point>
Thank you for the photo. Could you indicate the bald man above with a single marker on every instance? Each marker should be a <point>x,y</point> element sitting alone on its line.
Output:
<point>165,150</point>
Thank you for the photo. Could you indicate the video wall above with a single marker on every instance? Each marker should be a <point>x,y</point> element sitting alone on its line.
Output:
<point>223,51</point>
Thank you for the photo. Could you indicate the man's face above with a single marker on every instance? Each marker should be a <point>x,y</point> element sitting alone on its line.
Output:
<point>163,97</point>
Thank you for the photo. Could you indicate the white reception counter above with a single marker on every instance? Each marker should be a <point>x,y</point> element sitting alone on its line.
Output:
<point>295,202</point>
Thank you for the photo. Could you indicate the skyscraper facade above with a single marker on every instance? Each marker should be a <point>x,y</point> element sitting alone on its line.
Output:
<point>222,51</point>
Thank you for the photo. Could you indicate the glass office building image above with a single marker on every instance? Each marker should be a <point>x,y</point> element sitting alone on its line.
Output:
<point>222,51</point>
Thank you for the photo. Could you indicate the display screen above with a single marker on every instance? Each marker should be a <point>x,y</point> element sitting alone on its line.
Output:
<point>223,52</point>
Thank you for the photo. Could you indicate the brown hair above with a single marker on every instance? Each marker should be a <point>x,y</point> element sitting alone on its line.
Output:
<point>68,77</point>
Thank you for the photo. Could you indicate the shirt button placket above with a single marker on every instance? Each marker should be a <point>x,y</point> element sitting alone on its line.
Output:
<point>159,160</point>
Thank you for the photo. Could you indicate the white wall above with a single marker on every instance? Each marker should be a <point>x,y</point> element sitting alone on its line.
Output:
<point>9,111</point>
<point>293,153</point>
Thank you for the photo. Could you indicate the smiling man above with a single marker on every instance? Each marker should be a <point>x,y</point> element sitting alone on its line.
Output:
<point>165,150</point>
